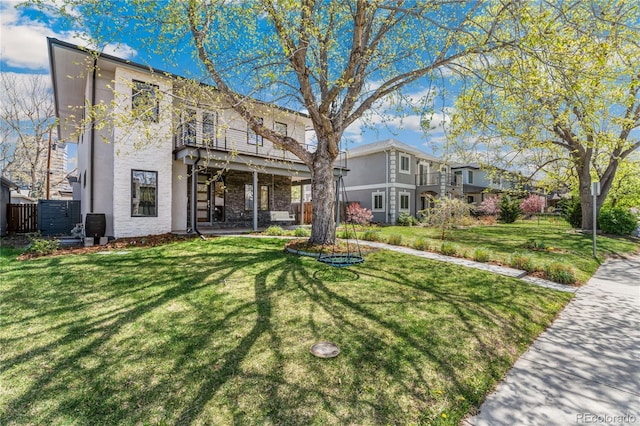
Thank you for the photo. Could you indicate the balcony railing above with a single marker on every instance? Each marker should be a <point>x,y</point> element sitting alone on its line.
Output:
<point>237,141</point>
<point>435,179</point>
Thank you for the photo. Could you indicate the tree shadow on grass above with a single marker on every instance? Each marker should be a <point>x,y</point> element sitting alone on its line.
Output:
<point>218,332</point>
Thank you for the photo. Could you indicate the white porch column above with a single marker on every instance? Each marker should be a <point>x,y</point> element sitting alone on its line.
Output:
<point>255,200</point>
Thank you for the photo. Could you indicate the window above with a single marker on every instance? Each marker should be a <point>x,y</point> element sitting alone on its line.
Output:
<point>280,128</point>
<point>208,128</point>
<point>405,163</point>
<point>248,197</point>
<point>404,201</point>
<point>264,197</point>
<point>377,201</point>
<point>144,101</point>
<point>187,131</point>
<point>252,137</point>
<point>144,193</point>
<point>470,176</point>
<point>470,199</point>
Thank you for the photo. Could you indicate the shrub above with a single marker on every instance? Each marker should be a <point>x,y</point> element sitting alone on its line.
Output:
<point>421,244</point>
<point>302,232</point>
<point>395,239</point>
<point>522,261</point>
<point>274,230</point>
<point>448,249</point>
<point>405,219</point>
<point>346,234</point>
<point>490,206</point>
<point>560,273</point>
<point>481,255</point>
<point>509,209</point>
<point>371,235</point>
<point>43,246</point>
<point>571,211</point>
<point>533,204</point>
<point>358,214</point>
<point>617,221</point>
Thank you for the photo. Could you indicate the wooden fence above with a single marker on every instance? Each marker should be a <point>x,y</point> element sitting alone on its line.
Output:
<point>22,218</point>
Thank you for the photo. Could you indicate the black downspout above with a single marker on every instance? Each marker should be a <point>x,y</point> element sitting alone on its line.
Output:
<point>93,134</point>
<point>194,197</point>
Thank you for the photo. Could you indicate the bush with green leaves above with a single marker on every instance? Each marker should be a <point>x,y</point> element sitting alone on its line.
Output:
<point>302,232</point>
<point>571,211</point>
<point>448,249</point>
<point>522,261</point>
<point>509,209</point>
<point>395,239</point>
<point>617,221</point>
<point>560,273</point>
<point>346,234</point>
<point>533,244</point>
<point>43,246</point>
<point>371,235</point>
<point>405,219</point>
<point>421,244</point>
<point>274,231</point>
<point>481,254</point>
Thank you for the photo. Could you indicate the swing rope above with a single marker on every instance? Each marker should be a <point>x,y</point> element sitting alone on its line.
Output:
<point>342,260</point>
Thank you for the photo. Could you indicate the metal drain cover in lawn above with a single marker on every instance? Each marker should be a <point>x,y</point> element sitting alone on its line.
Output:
<point>325,350</point>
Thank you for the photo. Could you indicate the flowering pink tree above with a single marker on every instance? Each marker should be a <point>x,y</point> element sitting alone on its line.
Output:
<point>358,214</point>
<point>490,206</point>
<point>533,204</point>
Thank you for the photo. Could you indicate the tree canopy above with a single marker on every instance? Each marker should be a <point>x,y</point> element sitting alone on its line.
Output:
<point>564,96</point>
<point>334,60</point>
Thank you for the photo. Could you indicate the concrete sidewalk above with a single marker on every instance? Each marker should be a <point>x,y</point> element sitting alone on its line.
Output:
<point>585,368</point>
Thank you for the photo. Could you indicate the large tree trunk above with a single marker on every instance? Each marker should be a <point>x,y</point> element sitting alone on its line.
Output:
<point>323,225</point>
<point>586,199</point>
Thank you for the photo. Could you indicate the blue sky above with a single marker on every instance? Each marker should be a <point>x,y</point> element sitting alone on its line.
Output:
<point>23,50</point>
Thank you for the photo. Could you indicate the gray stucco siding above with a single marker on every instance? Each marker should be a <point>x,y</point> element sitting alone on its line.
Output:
<point>366,170</point>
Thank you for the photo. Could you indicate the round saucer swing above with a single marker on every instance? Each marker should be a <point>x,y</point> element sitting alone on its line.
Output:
<point>340,259</point>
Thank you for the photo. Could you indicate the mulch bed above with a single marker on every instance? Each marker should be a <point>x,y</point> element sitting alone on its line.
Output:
<point>119,244</point>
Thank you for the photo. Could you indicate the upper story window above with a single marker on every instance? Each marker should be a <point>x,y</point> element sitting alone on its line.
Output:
<point>208,128</point>
<point>144,101</point>
<point>405,163</point>
<point>252,137</point>
<point>280,128</point>
<point>470,177</point>
<point>188,127</point>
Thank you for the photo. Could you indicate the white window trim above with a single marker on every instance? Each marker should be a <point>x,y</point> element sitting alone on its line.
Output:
<point>400,157</point>
<point>400,195</point>
<point>373,202</point>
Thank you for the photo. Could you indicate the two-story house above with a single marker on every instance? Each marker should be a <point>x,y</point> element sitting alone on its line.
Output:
<point>390,177</point>
<point>478,182</point>
<point>169,162</point>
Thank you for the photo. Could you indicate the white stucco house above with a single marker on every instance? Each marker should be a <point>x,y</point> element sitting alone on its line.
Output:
<point>168,163</point>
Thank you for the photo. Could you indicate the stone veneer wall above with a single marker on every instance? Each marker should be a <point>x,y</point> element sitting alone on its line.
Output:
<point>236,215</point>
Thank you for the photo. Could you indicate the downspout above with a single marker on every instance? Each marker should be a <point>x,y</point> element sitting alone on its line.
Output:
<point>93,134</point>
<point>194,196</point>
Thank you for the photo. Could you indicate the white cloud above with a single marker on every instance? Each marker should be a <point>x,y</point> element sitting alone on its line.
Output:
<point>23,41</point>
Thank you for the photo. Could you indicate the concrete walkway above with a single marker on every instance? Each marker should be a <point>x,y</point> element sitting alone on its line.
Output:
<point>585,368</point>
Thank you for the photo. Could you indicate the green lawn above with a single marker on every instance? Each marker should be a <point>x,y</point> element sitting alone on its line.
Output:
<point>502,240</point>
<point>218,332</point>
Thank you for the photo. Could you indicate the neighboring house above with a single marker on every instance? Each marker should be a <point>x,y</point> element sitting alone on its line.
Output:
<point>209,171</point>
<point>478,182</point>
<point>390,178</point>
<point>5,199</point>
<point>21,196</point>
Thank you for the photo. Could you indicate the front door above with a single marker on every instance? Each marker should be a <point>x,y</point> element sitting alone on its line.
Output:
<point>204,199</point>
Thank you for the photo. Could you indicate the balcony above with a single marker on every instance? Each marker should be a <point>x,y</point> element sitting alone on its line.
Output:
<point>435,181</point>
<point>236,141</point>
